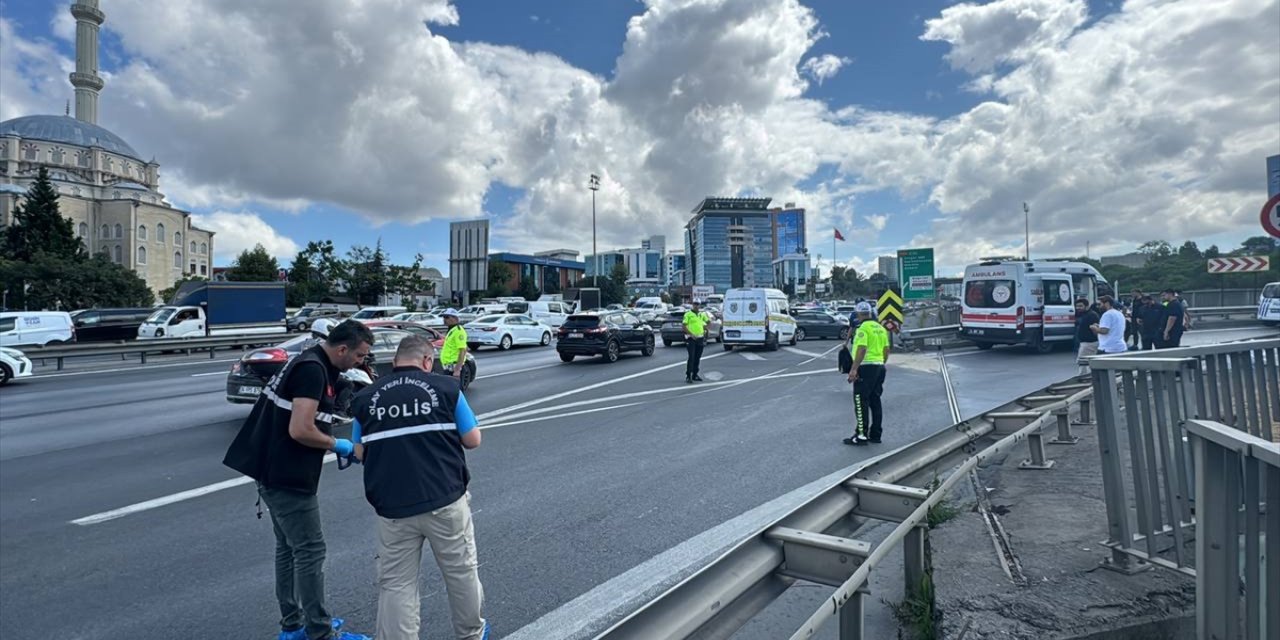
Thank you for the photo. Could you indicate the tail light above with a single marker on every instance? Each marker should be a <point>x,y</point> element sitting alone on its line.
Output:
<point>274,354</point>
<point>597,330</point>
<point>488,329</point>
<point>1021,319</point>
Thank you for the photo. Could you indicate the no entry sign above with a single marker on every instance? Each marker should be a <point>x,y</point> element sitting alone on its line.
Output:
<point>1271,216</point>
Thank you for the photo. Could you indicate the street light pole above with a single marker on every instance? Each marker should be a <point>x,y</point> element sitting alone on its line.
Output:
<point>594,185</point>
<point>1026,228</point>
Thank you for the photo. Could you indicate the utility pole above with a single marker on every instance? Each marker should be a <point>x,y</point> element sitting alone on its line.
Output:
<point>1026,228</point>
<point>594,185</point>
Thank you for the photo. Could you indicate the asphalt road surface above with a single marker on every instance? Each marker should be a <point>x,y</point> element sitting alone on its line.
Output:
<point>117,519</point>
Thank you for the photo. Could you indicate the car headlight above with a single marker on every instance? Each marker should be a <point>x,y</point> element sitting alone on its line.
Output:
<point>12,353</point>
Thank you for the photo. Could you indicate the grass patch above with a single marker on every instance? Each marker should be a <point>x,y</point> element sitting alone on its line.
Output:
<point>918,614</point>
<point>944,510</point>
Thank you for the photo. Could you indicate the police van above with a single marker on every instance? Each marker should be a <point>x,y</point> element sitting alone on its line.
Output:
<point>1025,302</point>
<point>1269,303</point>
<point>757,316</point>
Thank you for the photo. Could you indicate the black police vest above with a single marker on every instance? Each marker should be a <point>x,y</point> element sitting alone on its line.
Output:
<point>264,450</point>
<point>413,460</point>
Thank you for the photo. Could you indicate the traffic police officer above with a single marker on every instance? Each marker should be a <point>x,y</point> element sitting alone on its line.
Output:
<point>695,340</point>
<point>412,427</point>
<point>870,349</point>
<point>453,354</point>
<point>282,445</point>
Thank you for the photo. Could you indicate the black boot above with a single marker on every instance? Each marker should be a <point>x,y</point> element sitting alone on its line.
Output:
<point>688,379</point>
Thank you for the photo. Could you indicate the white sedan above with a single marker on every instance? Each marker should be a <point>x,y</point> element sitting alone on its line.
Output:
<point>13,365</point>
<point>505,330</point>
<point>420,317</point>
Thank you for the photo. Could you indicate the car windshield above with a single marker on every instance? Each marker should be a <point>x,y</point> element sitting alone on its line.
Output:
<point>1272,290</point>
<point>161,315</point>
<point>302,313</point>
<point>404,316</point>
<point>488,320</point>
<point>297,344</point>
<point>366,313</point>
<point>581,322</point>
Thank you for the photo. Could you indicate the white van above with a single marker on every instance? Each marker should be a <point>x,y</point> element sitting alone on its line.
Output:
<point>757,316</point>
<point>549,312</point>
<point>1021,302</point>
<point>377,313</point>
<point>652,303</point>
<point>35,327</point>
<point>1269,303</point>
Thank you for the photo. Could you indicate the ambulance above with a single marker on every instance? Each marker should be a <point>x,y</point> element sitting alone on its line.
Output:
<point>1023,302</point>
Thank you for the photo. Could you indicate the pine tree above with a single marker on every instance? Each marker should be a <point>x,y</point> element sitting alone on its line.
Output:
<point>38,226</point>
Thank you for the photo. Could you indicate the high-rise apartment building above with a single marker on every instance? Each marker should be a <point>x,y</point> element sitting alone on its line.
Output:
<point>887,266</point>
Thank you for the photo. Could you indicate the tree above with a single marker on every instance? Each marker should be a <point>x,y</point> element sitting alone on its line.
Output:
<point>167,294</point>
<point>1155,249</point>
<point>38,226</point>
<point>499,274</point>
<point>366,269</point>
<point>44,265</point>
<point>407,282</point>
<point>614,289</point>
<point>254,265</point>
<point>1258,246</point>
<point>528,290</point>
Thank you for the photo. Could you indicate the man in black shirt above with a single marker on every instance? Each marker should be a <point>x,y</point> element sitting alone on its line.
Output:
<point>1148,316</point>
<point>282,445</point>
<point>1086,339</point>
<point>1170,335</point>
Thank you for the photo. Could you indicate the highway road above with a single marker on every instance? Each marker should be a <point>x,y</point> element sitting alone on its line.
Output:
<point>117,519</point>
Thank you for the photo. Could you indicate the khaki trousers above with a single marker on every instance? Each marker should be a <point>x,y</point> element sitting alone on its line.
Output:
<point>451,535</point>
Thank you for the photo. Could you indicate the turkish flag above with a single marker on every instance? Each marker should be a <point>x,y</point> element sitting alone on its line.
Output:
<point>839,236</point>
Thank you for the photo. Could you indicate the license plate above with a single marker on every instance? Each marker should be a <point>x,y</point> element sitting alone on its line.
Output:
<point>575,335</point>
<point>977,332</point>
<point>733,334</point>
<point>250,391</point>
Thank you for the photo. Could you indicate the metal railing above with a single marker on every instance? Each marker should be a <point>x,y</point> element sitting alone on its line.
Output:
<point>813,543</point>
<point>143,348</point>
<point>1235,472</point>
<point>1152,482</point>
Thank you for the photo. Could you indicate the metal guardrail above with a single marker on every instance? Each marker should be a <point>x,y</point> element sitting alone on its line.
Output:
<point>1149,475</point>
<point>811,543</point>
<point>144,347</point>
<point>1234,471</point>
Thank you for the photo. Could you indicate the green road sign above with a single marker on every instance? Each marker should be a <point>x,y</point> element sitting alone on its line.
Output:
<point>915,274</point>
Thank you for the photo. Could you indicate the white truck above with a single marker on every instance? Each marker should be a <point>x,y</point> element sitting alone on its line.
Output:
<point>202,309</point>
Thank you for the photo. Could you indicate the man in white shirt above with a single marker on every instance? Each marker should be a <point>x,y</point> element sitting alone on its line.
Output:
<point>1110,328</point>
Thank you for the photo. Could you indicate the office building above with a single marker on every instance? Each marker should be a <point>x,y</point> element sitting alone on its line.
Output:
<point>606,262</point>
<point>549,274</point>
<point>655,243</point>
<point>673,263</point>
<point>468,258</point>
<point>729,243</point>
<point>788,230</point>
<point>887,266</point>
<point>791,273</point>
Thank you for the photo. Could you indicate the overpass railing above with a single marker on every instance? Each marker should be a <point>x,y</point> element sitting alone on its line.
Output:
<point>1176,430</point>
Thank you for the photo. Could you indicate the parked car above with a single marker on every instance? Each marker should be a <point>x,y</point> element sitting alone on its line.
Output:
<point>306,316</point>
<point>607,334</point>
<point>549,312</point>
<point>93,325</point>
<point>377,313</point>
<point>420,317</point>
<point>673,329</point>
<point>35,328</point>
<point>820,324</point>
<point>13,365</point>
<point>505,330</point>
<point>251,372</point>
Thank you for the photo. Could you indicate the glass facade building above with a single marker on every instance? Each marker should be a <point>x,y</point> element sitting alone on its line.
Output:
<point>788,232</point>
<point>729,243</point>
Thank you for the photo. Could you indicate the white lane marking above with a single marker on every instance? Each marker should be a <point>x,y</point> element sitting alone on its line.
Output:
<point>751,356</point>
<point>182,496</point>
<point>564,394</point>
<point>558,415</point>
<point>211,373</point>
<point>525,370</point>
<point>802,352</point>
<point>139,367</point>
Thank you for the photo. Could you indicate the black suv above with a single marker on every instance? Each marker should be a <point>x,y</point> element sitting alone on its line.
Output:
<point>605,334</point>
<point>109,324</point>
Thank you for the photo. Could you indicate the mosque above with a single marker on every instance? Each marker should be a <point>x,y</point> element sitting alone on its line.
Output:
<point>110,194</point>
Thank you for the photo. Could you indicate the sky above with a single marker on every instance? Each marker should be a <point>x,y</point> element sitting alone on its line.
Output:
<point>903,124</point>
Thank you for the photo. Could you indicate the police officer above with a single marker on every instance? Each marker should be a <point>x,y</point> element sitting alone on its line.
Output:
<point>412,427</point>
<point>282,445</point>
<point>695,340</point>
<point>453,354</point>
<point>870,348</point>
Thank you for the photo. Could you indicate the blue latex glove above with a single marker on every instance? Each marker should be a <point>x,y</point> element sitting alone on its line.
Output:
<point>343,447</point>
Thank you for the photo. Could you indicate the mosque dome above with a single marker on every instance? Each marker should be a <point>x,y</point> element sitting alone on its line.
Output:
<point>67,130</point>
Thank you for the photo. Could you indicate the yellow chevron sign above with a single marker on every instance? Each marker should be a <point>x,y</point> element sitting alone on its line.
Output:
<point>889,307</point>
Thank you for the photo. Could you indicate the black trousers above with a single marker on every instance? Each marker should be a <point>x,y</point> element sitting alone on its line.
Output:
<point>694,346</point>
<point>300,551</point>
<point>1148,341</point>
<point>868,413</point>
<point>1174,341</point>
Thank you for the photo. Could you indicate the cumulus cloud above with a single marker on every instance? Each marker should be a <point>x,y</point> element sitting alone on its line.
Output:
<point>1149,122</point>
<point>235,232</point>
<point>825,66</point>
